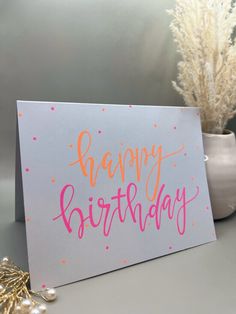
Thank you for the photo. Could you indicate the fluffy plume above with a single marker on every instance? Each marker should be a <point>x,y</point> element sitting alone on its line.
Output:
<point>203,31</point>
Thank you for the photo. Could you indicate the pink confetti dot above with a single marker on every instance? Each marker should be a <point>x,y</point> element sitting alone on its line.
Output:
<point>155,125</point>
<point>27,170</point>
<point>207,207</point>
<point>174,165</point>
<point>99,131</point>
<point>34,138</point>
<point>107,247</point>
<point>43,286</point>
<point>185,154</point>
<point>170,247</point>
<point>52,108</point>
<point>130,106</point>
<point>174,127</point>
<point>125,261</point>
<point>63,261</point>
<point>28,219</point>
<point>103,109</point>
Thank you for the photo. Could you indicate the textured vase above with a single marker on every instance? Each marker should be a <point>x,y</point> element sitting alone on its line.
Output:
<point>220,156</point>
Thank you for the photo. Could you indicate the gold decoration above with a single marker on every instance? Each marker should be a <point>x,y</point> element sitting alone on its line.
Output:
<point>15,295</point>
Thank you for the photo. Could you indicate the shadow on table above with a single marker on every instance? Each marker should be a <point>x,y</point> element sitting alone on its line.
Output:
<point>13,243</point>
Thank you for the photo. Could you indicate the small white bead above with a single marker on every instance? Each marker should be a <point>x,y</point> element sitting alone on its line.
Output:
<point>26,304</point>
<point>6,260</point>
<point>50,294</point>
<point>35,310</point>
<point>42,308</point>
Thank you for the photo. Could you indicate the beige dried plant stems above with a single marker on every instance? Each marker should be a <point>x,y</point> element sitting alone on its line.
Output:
<point>203,30</point>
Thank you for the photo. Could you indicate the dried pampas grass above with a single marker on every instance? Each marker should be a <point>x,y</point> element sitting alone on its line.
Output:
<point>203,31</point>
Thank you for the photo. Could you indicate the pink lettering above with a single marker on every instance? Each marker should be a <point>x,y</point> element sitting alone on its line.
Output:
<point>125,206</point>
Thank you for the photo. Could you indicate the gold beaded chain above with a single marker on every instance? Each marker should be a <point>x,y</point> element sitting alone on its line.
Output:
<point>15,296</point>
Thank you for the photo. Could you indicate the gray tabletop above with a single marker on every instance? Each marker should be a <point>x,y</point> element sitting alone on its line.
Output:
<point>199,280</point>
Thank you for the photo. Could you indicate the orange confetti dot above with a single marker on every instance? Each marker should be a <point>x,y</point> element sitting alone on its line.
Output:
<point>28,219</point>
<point>20,114</point>
<point>87,225</point>
<point>174,165</point>
<point>155,125</point>
<point>63,261</point>
<point>53,180</point>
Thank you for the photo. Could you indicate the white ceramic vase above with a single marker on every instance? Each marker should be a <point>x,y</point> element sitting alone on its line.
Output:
<point>220,152</point>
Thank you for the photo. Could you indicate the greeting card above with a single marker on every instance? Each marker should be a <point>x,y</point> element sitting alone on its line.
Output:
<point>102,187</point>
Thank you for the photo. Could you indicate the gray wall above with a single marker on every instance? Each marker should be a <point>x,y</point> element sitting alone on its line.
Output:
<point>107,51</point>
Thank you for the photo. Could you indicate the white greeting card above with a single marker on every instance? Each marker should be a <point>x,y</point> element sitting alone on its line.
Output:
<point>107,186</point>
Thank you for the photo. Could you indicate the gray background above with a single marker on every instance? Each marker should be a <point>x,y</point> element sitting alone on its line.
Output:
<point>110,51</point>
<point>104,51</point>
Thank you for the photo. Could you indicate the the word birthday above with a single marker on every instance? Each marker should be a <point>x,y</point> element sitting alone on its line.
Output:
<point>123,206</point>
